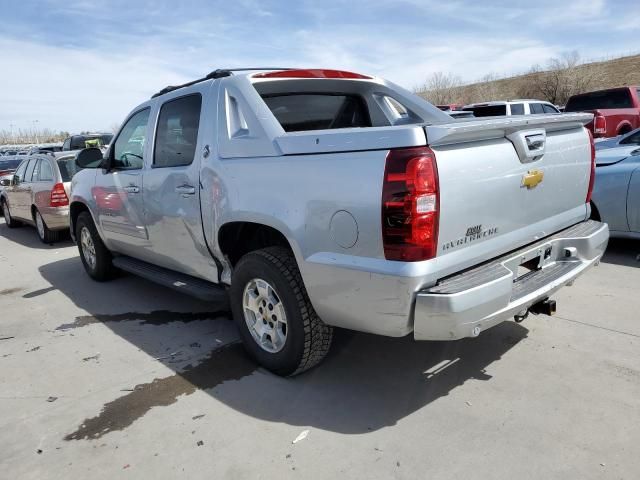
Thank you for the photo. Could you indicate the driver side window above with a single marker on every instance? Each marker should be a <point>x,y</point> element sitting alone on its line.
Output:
<point>128,149</point>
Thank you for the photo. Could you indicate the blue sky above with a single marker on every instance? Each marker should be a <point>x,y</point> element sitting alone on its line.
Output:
<point>82,65</point>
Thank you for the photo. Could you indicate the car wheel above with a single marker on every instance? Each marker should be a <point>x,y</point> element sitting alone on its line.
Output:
<point>8,219</point>
<point>95,256</point>
<point>279,327</point>
<point>46,235</point>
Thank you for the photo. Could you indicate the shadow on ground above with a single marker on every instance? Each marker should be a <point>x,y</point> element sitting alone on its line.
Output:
<point>623,252</point>
<point>27,236</point>
<point>366,383</point>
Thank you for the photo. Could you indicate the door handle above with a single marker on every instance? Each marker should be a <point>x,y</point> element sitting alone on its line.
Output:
<point>132,189</point>
<point>186,190</point>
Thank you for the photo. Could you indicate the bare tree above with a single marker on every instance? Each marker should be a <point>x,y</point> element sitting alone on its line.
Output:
<point>564,76</point>
<point>441,88</point>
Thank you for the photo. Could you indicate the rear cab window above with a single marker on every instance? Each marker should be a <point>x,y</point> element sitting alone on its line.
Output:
<point>318,111</point>
<point>487,110</point>
<point>606,99</point>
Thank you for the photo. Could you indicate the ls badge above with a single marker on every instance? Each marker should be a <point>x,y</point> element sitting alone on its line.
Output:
<point>532,178</point>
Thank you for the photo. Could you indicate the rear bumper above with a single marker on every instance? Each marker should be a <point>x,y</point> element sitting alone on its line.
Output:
<point>470,302</point>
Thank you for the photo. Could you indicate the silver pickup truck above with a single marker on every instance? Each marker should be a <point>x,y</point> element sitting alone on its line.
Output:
<point>320,198</point>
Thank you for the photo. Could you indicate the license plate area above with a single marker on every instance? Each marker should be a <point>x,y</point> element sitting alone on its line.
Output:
<point>531,262</point>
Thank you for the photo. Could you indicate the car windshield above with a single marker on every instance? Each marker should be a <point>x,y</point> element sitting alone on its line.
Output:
<point>68,168</point>
<point>600,100</point>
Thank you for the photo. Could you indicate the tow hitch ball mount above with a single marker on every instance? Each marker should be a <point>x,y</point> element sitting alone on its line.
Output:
<point>546,307</point>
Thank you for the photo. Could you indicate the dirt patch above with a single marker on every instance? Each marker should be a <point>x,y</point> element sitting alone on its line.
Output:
<point>9,291</point>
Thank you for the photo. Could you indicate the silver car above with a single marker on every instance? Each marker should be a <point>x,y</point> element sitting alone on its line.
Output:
<point>38,195</point>
<point>616,193</point>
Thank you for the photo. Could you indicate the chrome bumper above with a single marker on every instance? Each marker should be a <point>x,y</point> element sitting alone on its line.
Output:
<point>470,302</point>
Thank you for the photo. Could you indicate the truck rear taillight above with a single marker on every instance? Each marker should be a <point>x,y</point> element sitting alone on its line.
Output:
<point>599,125</point>
<point>592,178</point>
<point>58,196</point>
<point>410,205</point>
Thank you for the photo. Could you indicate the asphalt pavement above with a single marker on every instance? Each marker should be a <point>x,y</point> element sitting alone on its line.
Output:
<point>127,379</point>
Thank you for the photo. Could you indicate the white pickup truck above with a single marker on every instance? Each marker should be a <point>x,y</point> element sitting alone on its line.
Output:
<point>322,198</point>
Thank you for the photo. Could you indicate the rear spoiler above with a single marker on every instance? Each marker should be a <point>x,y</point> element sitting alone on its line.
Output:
<point>497,127</point>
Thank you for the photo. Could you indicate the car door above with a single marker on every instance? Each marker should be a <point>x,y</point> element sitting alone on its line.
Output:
<point>25,192</point>
<point>633,201</point>
<point>13,192</point>
<point>118,188</point>
<point>172,189</point>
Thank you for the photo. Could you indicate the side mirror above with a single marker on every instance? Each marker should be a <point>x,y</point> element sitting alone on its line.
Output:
<point>89,158</point>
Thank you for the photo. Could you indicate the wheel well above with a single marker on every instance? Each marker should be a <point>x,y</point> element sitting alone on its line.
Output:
<point>624,129</point>
<point>76,209</point>
<point>239,238</point>
<point>595,214</point>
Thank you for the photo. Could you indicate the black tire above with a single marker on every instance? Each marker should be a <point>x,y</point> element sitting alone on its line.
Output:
<point>8,219</point>
<point>45,234</point>
<point>308,338</point>
<point>102,269</point>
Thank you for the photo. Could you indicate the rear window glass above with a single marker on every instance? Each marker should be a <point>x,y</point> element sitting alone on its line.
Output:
<point>68,168</point>
<point>600,100</point>
<point>536,108</point>
<point>318,111</point>
<point>488,110</point>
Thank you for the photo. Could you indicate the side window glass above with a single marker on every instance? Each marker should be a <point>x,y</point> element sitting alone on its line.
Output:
<point>36,171</point>
<point>128,150</point>
<point>536,108</point>
<point>67,144</point>
<point>46,173</point>
<point>548,109</point>
<point>29,172</point>
<point>19,175</point>
<point>177,132</point>
<point>517,109</point>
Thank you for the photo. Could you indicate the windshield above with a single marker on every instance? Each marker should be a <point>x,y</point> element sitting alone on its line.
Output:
<point>620,98</point>
<point>68,168</point>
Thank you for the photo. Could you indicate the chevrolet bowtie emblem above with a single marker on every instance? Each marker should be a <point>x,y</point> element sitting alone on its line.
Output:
<point>532,178</point>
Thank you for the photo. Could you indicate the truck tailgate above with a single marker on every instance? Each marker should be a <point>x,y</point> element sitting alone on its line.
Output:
<point>508,182</point>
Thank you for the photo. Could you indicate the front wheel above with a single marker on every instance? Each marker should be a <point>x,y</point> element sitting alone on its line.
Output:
<point>8,219</point>
<point>279,327</point>
<point>95,256</point>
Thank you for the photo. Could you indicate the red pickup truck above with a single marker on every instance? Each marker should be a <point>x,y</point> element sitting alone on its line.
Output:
<point>616,111</point>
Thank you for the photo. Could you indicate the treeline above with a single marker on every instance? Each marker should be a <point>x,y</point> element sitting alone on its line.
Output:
<point>555,82</point>
<point>31,136</point>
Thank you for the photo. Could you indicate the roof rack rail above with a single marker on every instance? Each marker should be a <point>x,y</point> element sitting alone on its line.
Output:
<point>218,73</point>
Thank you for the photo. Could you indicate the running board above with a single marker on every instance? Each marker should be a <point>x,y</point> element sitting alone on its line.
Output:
<point>196,287</point>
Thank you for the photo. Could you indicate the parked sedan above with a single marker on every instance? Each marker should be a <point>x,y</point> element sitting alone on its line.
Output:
<point>616,193</point>
<point>38,195</point>
<point>631,140</point>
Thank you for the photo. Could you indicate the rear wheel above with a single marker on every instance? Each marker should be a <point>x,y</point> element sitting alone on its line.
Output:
<point>8,219</point>
<point>46,235</point>
<point>95,256</point>
<point>279,327</point>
